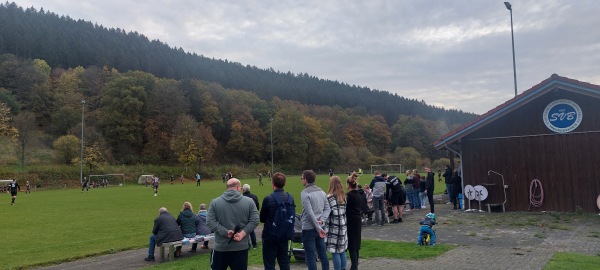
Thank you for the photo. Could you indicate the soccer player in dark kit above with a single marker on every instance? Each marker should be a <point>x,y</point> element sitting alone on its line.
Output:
<point>14,186</point>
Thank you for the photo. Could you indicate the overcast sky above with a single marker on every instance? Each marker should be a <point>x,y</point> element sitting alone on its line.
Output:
<point>453,54</point>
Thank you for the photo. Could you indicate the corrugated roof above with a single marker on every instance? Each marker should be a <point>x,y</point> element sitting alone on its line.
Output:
<point>512,104</point>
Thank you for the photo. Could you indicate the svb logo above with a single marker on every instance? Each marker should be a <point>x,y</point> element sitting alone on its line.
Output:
<point>562,116</point>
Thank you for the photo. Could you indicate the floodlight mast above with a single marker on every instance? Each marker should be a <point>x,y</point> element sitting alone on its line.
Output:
<point>509,7</point>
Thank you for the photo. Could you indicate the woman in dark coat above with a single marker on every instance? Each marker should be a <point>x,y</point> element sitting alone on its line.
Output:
<point>353,222</point>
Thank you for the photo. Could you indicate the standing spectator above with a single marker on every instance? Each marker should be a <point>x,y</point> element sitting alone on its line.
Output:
<point>416,188</point>
<point>14,187</point>
<point>274,248</point>
<point>408,184</point>
<point>187,222</point>
<point>353,217</point>
<point>201,227</point>
<point>429,187</point>
<point>246,190</point>
<point>378,186</point>
<point>337,233</point>
<point>269,175</point>
<point>330,172</point>
<point>260,183</point>
<point>165,230</point>
<point>85,185</point>
<point>155,183</point>
<point>172,179</point>
<point>231,216</point>
<point>198,179</point>
<point>447,179</point>
<point>27,187</point>
<point>422,189</point>
<point>314,221</point>
<point>181,178</point>
<point>397,197</point>
<point>456,182</point>
<point>146,181</point>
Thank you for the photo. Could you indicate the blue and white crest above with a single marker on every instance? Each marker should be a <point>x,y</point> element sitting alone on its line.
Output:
<point>562,116</point>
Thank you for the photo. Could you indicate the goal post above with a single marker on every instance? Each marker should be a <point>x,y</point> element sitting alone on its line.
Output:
<point>387,168</point>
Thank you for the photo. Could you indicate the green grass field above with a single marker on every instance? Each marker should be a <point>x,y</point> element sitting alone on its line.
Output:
<point>62,225</point>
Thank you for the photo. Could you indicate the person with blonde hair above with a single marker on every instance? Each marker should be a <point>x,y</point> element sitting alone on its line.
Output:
<point>337,234</point>
<point>187,223</point>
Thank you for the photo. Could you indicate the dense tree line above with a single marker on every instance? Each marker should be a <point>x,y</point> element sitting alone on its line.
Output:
<point>66,43</point>
<point>136,117</point>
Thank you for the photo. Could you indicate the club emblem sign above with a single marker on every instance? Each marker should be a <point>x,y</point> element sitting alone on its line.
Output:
<point>562,116</point>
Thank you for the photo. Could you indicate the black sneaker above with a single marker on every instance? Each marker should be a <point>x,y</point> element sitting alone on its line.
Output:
<point>149,259</point>
<point>399,220</point>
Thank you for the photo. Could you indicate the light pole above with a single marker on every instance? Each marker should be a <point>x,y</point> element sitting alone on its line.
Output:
<point>81,155</point>
<point>272,168</point>
<point>509,7</point>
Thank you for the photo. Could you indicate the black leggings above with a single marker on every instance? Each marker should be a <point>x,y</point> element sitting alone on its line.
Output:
<point>430,198</point>
<point>353,259</point>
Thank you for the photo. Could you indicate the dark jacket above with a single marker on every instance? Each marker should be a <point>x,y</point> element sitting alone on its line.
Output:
<point>166,229</point>
<point>378,186</point>
<point>354,219</point>
<point>430,181</point>
<point>456,182</point>
<point>253,197</point>
<point>427,222</point>
<point>267,213</point>
<point>447,175</point>
<point>416,181</point>
<point>201,227</point>
<point>187,221</point>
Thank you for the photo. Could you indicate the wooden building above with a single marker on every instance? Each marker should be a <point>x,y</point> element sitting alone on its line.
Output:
<point>551,133</point>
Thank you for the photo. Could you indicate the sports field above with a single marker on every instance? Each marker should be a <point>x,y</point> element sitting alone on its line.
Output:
<point>63,225</point>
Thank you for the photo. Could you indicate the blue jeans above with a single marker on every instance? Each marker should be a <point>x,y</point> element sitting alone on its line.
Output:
<point>449,190</point>
<point>314,244</point>
<point>379,209</point>
<point>431,233</point>
<point>339,260</point>
<point>151,245</point>
<point>410,198</point>
<point>415,196</point>
<point>275,249</point>
<point>423,198</point>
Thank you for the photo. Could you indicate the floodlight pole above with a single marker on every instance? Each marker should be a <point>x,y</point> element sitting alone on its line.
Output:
<point>509,7</point>
<point>81,154</point>
<point>272,167</point>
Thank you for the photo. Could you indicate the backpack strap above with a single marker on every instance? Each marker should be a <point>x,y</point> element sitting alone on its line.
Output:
<point>277,201</point>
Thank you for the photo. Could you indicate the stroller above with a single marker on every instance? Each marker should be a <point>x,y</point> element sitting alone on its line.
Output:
<point>297,238</point>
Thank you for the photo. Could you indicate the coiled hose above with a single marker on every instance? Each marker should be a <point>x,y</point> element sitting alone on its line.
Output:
<point>536,199</point>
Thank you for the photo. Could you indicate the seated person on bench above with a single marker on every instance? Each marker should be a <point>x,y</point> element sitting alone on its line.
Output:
<point>165,230</point>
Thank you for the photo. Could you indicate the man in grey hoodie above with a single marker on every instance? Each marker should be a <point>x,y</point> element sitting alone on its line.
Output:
<point>314,221</point>
<point>227,213</point>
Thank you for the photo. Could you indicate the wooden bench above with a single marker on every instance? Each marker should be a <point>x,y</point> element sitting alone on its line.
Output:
<point>185,241</point>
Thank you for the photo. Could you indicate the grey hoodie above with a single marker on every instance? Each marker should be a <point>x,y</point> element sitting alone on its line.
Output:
<point>227,211</point>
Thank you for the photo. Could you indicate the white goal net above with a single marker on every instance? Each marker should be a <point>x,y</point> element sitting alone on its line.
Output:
<point>387,168</point>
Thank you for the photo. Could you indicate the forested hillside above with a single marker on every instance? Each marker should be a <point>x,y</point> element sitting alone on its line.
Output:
<point>188,109</point>
<point>64,42</point>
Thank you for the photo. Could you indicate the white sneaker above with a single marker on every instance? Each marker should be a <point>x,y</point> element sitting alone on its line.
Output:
<point>448,203</point>
<point>423,207</point>
<point>155,194</point>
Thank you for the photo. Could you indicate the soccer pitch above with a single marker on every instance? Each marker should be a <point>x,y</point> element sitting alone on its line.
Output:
<point>62,225</point>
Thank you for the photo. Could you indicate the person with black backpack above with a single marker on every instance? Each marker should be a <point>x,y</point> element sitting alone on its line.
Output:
<point>277,214</point>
